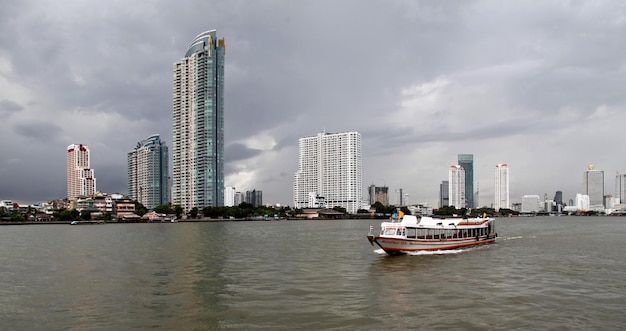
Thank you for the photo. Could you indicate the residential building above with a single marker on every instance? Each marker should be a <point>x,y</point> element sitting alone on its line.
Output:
<point>330,166</point>
<point>456,186</point>
<point>531,204</point>
<point>229,196</point>
<point>148,172</point>
<point>198,124</point>
<point>444,193</point>
<point>255,198</point>
<point>501,187</point>
<point>620,187</point>
<point>593,186</point>
<point>467,162</point>
<point>81,181</point>
<point>378,194</point>
<point>239,198</point>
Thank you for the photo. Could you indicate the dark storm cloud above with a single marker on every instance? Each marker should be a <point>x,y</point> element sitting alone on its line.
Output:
<point>421,81</point>
<point>38,131</point>
<point>8,106</point>
<point>238,152</point>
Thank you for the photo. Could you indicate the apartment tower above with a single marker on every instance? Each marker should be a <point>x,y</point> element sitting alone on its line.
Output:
<point>80,177</point>
<point>501,187</point>
<point>467,162</point>
<point>198,124</point>
<point>330,169</point>
<point>593,186</point>
<point>148,172</point>
<point>456,186</point>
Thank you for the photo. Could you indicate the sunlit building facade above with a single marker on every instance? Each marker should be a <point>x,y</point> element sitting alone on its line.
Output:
<point>593,186</point>
<point>148,172</point>
<point>467,162</point>
<point>330,167</point>
<point>456,188</point>
<point>81,181</point>
<point>198,124</point>
<point>501,187</point>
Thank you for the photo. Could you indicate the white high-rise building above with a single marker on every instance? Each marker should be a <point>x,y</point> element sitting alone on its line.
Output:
<point>229,196</point>
<point>330,167</point>
<point>501,187</point>
<point>456,188</point>
<point>620,187</point>
<point>593,186</point>
<point>531,204</point>
<point>80,176</point>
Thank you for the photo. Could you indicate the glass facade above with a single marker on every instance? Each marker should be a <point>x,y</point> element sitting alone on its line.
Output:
<point>467,162</point>
<point>198,124</point>
<point>148,172</point>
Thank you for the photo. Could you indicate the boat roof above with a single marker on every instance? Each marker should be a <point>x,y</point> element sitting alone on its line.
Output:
<point>440,223</point>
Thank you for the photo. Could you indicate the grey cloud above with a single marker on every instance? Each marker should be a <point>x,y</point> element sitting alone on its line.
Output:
<point>8,106</point>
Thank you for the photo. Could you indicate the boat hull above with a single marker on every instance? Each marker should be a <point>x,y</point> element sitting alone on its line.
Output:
<point>396,246</point>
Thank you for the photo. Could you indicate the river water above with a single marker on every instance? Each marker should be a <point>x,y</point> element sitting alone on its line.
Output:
<point>544,273</point>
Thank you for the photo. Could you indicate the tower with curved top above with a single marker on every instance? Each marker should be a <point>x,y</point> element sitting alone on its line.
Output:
<point>148,172</point>
<point>198,124</point>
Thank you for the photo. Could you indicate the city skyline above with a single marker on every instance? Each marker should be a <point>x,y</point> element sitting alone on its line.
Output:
<point>532,84</point>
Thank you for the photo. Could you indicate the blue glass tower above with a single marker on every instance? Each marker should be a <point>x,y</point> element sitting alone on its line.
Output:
<point>467,162</point>
<point>198,124</point>
<point>148,172</point>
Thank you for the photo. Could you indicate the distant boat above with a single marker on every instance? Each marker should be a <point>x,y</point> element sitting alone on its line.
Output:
<point>86,222</point>
<point>409,233</point>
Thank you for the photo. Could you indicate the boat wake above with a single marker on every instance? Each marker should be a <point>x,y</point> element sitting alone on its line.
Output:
<point>439,252</point>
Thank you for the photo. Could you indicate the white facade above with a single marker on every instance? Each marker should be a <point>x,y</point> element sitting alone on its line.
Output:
<point>229,196</point>
<point>329,167</point>
<point>456,186</point>
<point>80,177</point>
<point>593,186</point>
<point>620,187</point>
<point>501,187</point>
<point>531,204</point>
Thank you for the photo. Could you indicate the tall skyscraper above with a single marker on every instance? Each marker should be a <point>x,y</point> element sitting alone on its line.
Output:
<point>80,176</point>
<point>620,187</point>
<point>330,167</point>
<point>198,124</point>
<point>456,189</point>
<point>255,198</point>
<point>148,172</point>
<point>501,187</point>
<point>593,186</point>
<point>467,162</point>
<point>444,193</point>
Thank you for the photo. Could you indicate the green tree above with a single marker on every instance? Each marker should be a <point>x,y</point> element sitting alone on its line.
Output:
<point>4,212</point>
<point>85,214</point>
<point>140,209</point>
<point>193,212</point>
<point>178,210</point>
<point>163,209</point>
<point>16,216</point>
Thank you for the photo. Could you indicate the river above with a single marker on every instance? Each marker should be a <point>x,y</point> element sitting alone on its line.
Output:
<point>544,273</point>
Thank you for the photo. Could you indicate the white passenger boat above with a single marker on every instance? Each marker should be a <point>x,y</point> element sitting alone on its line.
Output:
<point>409,233</point>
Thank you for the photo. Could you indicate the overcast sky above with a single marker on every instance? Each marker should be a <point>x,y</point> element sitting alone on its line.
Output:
<point>539,85</point>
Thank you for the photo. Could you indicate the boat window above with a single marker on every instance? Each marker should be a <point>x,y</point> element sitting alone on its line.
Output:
<point>411,233</point>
